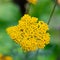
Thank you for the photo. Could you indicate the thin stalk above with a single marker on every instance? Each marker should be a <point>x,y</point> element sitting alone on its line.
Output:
<point>26,55</point>
<point>52,13</point>
<point>27,8</point>
<point>36,54</point>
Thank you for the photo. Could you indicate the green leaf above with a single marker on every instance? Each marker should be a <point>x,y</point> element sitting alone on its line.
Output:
<point>9,12</point>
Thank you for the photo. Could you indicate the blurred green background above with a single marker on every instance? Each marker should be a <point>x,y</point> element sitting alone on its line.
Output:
<point>10,13</point>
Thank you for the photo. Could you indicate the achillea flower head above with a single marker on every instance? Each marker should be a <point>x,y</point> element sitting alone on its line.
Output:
<point>32,1</point>
<point>2,57</point>
<point>58,2</point>
<point>8,58</point>
<point>30,33</point>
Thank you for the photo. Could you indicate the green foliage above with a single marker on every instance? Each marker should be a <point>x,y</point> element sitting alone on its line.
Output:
<point>9,12</point>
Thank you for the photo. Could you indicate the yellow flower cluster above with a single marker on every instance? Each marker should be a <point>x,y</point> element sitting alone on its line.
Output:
<point>30,33</point>
<point>5,57</point>
<point>8,58</point>
<point>32,1</point>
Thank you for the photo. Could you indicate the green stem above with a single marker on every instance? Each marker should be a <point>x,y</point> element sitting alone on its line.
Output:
<point>26,55</point>
<point>36,54</point>
<point>27,8</point>
<point>52,13</point>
